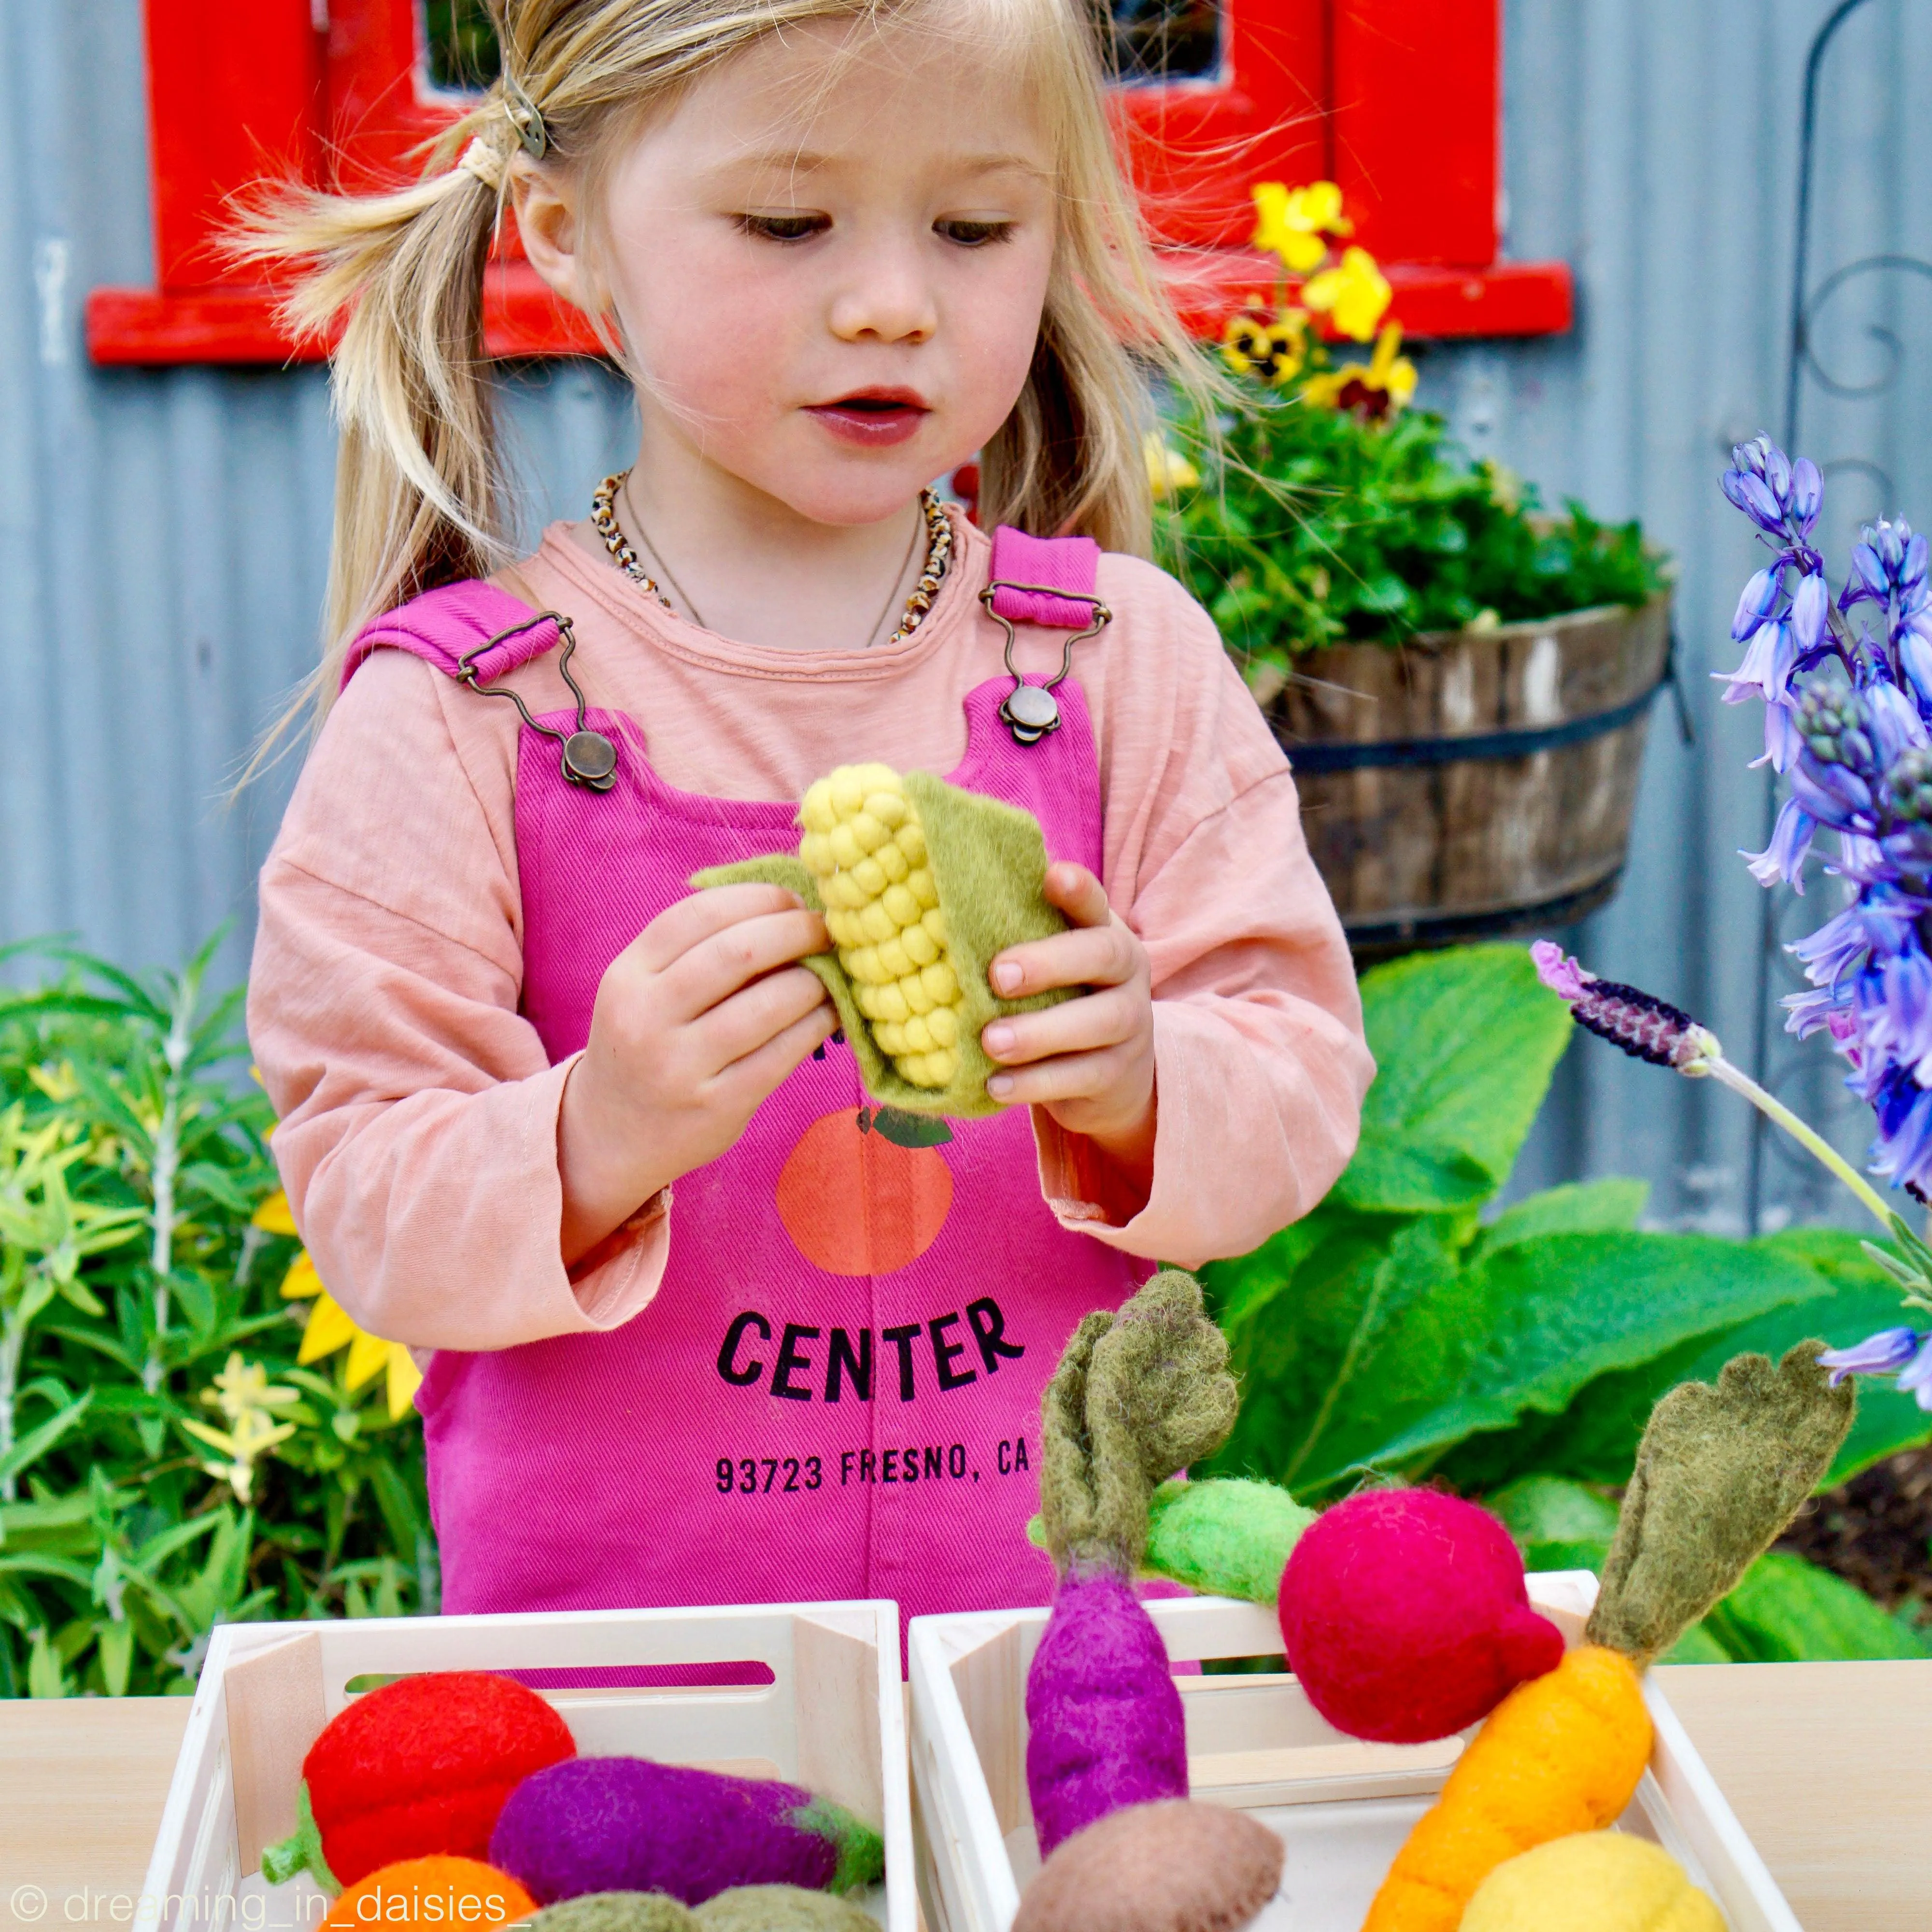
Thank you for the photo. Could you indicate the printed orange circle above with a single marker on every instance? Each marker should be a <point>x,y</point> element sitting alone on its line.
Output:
<point>856,1203</point>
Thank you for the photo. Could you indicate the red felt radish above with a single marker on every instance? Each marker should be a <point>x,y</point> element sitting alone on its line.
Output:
<point>1404,1614</point>
<point>1136,1396</point>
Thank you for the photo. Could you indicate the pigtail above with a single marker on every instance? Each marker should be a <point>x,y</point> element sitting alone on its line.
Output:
<point>397,280</point>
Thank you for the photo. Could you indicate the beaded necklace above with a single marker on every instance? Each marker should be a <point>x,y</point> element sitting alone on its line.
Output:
<point>938,553</point>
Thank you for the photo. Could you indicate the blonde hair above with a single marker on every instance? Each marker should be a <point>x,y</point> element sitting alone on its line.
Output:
<point>421,495</point>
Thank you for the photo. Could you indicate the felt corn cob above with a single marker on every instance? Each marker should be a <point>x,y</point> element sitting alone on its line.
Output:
<point>865,846</point>
<point>921,884</point>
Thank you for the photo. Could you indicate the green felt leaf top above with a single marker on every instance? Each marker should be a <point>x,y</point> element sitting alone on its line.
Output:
<point>988,862</point>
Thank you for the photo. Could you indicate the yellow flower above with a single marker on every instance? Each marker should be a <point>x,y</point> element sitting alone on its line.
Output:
<point>1168,472</point>
<point>1356,294</point>
<point>1295,222</point>
<point>1273,346</point>
<point>245,1395</point>
<point>331,1328</point>
<point>273,1217</point>
<point>1377,387</point>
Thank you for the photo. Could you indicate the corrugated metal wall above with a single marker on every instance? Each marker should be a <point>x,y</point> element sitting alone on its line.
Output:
<point>163,535</point>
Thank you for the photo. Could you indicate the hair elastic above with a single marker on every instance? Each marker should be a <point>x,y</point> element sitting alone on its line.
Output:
<point>483,161</point>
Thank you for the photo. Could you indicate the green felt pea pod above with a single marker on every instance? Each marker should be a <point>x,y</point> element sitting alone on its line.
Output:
<point>916,921</point>
<point>1720,1472</point>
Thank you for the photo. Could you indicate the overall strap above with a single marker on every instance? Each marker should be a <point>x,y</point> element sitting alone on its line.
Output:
<point>476,633</point>
<point>1050,581</point>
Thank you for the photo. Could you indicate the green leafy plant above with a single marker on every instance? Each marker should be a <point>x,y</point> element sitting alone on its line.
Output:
<point>166,1461</point>
<point>1406,1329</point>
<point>1309,526</point>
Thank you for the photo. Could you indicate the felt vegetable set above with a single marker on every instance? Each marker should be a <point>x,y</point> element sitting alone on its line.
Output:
<point>1405,1617</point>
<point>921,883</point>
<point>467,1782</point>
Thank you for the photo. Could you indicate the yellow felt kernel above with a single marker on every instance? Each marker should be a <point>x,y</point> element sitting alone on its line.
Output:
<point>1592,1881</point>
<point>1560,1754</point>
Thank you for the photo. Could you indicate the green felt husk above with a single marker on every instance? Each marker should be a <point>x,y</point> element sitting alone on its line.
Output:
<point>988,861</point>
<point>300,1851</point>
<point>615,1911</point>
<point>779,1908</point>
<point>1720,1472</point>
<point>1137,1395</point>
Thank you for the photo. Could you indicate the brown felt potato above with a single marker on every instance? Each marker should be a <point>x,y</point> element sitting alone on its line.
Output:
<point>1172,1866</point>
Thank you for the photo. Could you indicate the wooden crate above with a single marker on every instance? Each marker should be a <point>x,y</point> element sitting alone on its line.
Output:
<point>1254,1742</point>
<point>832,1718</point>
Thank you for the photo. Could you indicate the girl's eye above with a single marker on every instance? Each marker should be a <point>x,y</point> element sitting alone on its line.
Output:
<point>784,227</point>
<point>974,234</point>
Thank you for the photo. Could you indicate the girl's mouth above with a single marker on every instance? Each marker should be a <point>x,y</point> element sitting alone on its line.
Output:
<point>873,419</point>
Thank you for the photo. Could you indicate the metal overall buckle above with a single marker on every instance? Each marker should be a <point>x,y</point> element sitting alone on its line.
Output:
<point>588,758</point>
<point>1031,711</point>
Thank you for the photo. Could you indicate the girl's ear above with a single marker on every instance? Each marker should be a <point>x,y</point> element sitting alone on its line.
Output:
<point>554,233</point>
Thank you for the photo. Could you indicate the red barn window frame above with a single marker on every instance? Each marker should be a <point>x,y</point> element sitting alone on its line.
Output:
<point>1399,101</point>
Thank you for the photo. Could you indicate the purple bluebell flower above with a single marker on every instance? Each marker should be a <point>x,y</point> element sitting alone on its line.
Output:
<point>1884,1354</point>
<point>1784,857</point>
<point>1782,740</point>
<point>1759,598</point>
<point>1807,494</point>
<point>1644,1026</point>
<point>1914,1379</point>
<point>1767,666</point>
<point>1752,495</point>
<point>1810,611</point>
<point>1914,644</point>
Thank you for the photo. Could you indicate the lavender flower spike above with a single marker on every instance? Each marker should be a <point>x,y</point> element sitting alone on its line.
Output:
<point>1643,1025</point>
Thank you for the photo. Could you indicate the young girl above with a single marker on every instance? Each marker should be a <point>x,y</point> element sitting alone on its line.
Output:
<point>700,1332</point>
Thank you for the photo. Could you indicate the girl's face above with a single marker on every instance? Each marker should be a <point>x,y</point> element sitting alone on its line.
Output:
<point>828,261</point>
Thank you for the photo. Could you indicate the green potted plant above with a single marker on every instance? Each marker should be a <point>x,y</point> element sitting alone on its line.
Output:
<point>1461,682</point>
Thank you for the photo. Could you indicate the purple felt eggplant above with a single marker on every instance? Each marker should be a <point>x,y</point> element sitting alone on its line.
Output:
<point>1136,1396</point>
<point>626,1824</point>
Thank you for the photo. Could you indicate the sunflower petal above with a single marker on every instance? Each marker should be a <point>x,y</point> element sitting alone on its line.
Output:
<point>273,1217</point>
<point>405,1379</point>
<point>328,1328</point>
<point>301,1281</point>
<point>368,1356</point>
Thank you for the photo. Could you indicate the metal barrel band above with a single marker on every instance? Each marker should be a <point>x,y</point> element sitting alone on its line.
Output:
<point>587,758</point>
<point>1392,754</point>
<point>1031,711</point>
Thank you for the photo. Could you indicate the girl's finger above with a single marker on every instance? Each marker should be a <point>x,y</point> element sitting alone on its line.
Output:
<point>696,917</point>
<point>746,1081</point>
<point>718,965</point>
<point>1102,956</point>
<point>1075,1026</point>
<point>1067,1076</point>
<point>1077,893</point>
<point>756,1014</point>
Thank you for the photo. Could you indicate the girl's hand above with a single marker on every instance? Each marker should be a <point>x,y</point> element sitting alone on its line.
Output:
<point>1088,1061</point>
<point>703,1014</point>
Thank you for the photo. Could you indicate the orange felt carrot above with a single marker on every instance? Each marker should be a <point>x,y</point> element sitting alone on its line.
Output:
<point>1719,1472</point>
<point>1561,1754</point>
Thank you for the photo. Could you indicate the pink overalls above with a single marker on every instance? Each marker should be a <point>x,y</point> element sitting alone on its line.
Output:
<point>835,1391</point>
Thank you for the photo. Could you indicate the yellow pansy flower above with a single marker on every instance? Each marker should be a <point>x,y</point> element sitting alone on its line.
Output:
<point>1378,387</point>
<point>1294,223</point>
<point>1356,294</point>
<point>1273,346</point>
<point>1168,472</point>
<point>331,1328</point>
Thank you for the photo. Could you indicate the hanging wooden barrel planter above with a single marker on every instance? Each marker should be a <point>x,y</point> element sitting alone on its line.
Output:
<point>1474,784</point>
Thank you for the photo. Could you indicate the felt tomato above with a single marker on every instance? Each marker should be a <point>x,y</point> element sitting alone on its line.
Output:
<point>1404,1615</point>
<point>421,1766</point>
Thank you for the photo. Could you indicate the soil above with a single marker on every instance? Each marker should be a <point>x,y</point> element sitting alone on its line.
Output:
<point>1876,1531</point>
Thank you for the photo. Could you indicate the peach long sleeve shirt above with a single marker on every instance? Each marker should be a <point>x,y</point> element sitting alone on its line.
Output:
<point>418,1110</point>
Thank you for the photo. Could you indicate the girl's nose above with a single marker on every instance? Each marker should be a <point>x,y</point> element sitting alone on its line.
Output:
<point>885,297</point>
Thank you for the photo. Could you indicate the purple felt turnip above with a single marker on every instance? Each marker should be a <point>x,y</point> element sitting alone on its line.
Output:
<point>1135,1397</point>
<point>626,1824</point>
